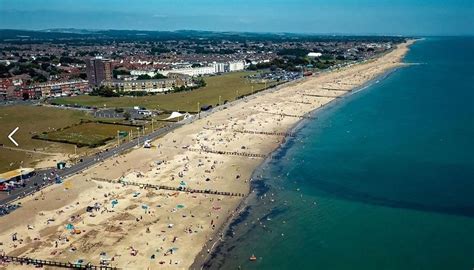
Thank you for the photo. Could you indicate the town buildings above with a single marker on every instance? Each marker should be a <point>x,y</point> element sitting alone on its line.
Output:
<point>8,86</point>
<point>17,90</point>
<point>98,70</point>
<point>57,89</point>
<point>24,67</point>
<point>173,81</point>
<point>214,68</point>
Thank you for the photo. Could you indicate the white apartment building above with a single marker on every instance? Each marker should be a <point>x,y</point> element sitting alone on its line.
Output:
<point>197,71</point>
<point>236,65</point>
<point>220,67</point>
<point>214,68</point>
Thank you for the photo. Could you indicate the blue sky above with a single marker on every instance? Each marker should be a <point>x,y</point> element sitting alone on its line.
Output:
<point>405,17</point>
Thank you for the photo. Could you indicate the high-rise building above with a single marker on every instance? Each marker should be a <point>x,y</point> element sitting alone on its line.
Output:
<point>98,70</point>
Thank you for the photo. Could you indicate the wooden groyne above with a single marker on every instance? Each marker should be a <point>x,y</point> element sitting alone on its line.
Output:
<point>246,131</point>
<point>336,89</point>
<point>290,115</point>
<point>41,263</point>
<point>228,153</point>
<point>162,187</point>
<point>289,134</point>
<point>300,102</point>
<point>313,95</point>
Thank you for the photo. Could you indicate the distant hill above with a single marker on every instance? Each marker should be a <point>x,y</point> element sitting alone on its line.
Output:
<point>71,35</point>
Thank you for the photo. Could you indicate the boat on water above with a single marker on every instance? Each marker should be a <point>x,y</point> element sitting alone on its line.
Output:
<point>252,258</point>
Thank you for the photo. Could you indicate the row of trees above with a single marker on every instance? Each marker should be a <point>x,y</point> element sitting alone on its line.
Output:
<point>294,63</point>
<point>148,77</point>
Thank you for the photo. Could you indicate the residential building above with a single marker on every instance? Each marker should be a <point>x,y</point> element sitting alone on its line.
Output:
<point>9,88</point>
<point>6,85</point>
<point>53,89</point>
<point>98,70</point>
<point>190,71</point>
<point>220,67</point>
<point>153,85</point>
<point>236,65</point>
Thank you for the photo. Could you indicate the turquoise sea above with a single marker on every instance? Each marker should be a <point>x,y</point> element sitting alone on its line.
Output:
<point>382,179</point>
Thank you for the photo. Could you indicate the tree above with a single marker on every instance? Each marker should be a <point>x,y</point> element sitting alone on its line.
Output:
<point>127,115</point>
<point>200,82</point>
<point>4,71</point>
<point>159,50</point>
<point>117,72</point>
<point>104,92</point>
<point>159,76</point>
<point>144,77</point>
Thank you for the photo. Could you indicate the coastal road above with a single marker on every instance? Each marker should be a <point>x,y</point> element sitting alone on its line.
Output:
<point>38,181</point>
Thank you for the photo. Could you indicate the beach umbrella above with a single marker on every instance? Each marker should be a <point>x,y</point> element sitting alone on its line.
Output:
<point>114,202</point>
<point>69,226</point>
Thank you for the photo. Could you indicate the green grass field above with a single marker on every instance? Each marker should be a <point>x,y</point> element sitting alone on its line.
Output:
<point>85,134</point>
<point>228,86</point>
<point>32,120</point>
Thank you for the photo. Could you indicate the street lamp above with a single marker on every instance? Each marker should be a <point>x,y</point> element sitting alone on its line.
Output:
<point>199,110</point>
<point>118,138</point>
<point>138,130</point>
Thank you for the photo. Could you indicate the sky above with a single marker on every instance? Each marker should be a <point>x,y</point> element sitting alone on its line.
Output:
<point>393,17</point>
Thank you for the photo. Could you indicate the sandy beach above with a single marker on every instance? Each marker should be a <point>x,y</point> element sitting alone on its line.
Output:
<point>93,218</point>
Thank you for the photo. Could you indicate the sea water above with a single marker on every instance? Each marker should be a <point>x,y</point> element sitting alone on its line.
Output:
<point>382,179</point>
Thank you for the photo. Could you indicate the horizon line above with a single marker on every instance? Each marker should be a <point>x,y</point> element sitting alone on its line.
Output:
<point>244,32</point>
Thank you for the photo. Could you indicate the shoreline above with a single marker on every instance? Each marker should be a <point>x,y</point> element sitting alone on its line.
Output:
<point>178,220</point>
<point>205,255</point>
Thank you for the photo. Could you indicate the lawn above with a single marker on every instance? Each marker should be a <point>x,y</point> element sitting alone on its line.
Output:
<point>32,120</point>
<point>228,86</point>
<point>85,134</point>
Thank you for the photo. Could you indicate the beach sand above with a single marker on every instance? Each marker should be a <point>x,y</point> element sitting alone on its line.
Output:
<point>137,228</point>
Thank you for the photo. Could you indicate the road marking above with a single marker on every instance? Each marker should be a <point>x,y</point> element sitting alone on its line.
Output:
<point>11,134</point>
